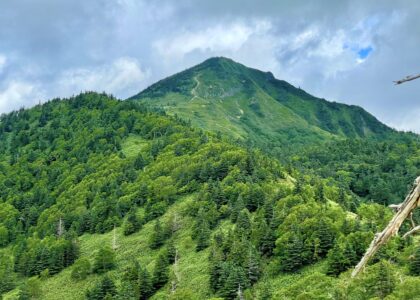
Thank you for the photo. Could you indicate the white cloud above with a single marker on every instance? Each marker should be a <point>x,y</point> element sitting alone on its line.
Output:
<point>123,77</point>
<point>19,94</point>
<point>219,38</point>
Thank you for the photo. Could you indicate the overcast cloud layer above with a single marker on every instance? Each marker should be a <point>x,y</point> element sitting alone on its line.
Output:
<point>345,51</point>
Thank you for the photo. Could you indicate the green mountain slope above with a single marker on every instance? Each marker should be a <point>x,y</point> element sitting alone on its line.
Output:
<point>222,95</point>
<point>107,199</point>
<point>327,139</point>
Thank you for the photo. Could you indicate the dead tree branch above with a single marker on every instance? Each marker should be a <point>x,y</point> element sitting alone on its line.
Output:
<point>407,78</point>
<point>411,202</point>
<point>413,230</point>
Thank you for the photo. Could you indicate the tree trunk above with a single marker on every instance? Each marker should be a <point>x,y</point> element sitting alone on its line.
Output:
<point>411,202</point>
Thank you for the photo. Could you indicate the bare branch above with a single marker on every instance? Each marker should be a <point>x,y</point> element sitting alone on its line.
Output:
<point>407,78</point>
<point>413,230</point>
<point>410,203</point>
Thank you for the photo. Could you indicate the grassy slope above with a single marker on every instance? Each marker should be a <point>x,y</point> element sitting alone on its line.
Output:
<point>221,95</point>
<point>192,266</point>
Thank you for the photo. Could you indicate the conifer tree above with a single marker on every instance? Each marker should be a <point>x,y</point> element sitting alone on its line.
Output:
<point>253,266</point>
<point>160,273</point>
<point>203,235</point>
<point>238,206</point>
<point>384,281</point>
<point>415,263</point>
<point>7,276</point>
<point>127,291</point>
<point>104,260</point>
<point>236,278</point>
<point>158,236</point>
<point>145,284</point>
<point>131,223</point>
<point>291,259</point>
<point>171,251</point>
<point>337,262</point>
<point>243,223</point>
<point>319,193</point>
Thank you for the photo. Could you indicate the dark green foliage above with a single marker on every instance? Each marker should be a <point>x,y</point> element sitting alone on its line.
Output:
<point>291,257</point>
<point>161,272</point>
<point>7,275</point>
<point>202,234</point>
<point>171,251</point>
<point>415,262</point>
<point>104,260</point>
<point>145,284</point>
<point>319,193</point>
<point>104,289</point>
<point>384,281</point>
<point>50,253</point>
<point>337,260</point>
<point>236,280</point>
<point>158,236</point>
<point>131,223</point>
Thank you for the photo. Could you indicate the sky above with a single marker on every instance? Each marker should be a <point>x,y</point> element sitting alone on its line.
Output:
<point>344,51</point>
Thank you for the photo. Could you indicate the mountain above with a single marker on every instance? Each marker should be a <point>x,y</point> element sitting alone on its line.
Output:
<point>327,139</point>
<point>109,199</point>
<point>222,95</point>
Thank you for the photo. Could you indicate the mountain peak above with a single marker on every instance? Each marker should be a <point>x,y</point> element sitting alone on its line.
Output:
<point>224,95</point>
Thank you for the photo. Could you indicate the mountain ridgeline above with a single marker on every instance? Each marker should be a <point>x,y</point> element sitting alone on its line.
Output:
<point>222,95</point>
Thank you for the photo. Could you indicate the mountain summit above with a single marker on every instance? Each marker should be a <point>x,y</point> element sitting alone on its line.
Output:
<point>223,95</point>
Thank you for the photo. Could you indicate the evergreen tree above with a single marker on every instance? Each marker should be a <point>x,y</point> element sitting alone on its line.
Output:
<point>127,291</point>
<point>131,223</point>
<point>171,251</point>
<point>337,261</point>
<point>292,259</point>
<point>325,235</point>
<point>139,162</point>
<point>104,289</point>
<point>319,193</point>
<point>236,280</point>
<point>384,281</point>
<point>160,273</point>
<point>145,284</point>
<point>7,275</point>
<point>238,206</point>
<point>158,236</point>
<point>253,266</point>
<point>203,234</point>
<point>268,240</point>
<point>104,260</point>
<point>81,269</point>
<point>415,262</point>
<point>243,224</point>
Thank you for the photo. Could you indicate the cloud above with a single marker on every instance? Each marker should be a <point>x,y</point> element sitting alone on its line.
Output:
<point>123,77</point>
<point>18,94</point>
<point>219,38</point>
<point>347,51</point>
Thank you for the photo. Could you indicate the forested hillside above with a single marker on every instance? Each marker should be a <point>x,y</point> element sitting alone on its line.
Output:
<point>109,199</point>
<point>326,139</point>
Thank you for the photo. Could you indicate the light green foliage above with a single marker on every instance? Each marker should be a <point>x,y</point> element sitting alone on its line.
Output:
<point>81,269</point>
<point>74,170</point>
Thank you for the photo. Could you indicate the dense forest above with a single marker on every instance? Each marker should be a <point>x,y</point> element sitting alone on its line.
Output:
<point>109,199</point>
